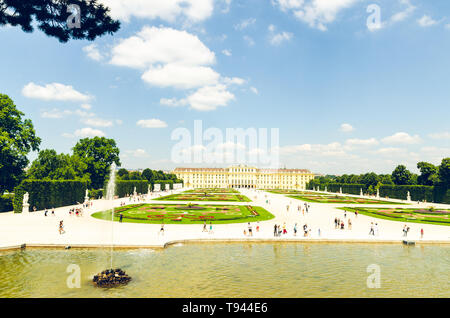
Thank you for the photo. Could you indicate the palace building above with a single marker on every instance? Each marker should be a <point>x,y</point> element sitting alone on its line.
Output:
<point>243,176</point>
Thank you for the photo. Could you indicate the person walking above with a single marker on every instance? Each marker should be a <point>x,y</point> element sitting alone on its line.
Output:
<point>275,230</point>
<point>210,228</point>
<point>61,227</point>
<point>250,232</point>
<point>45,212</point>
<point>295,229</point>
<point>161,231</point>
<point>204,227</point>
<point>120,217</point>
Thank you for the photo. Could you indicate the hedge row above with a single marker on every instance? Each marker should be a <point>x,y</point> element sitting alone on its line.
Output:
<point>418,192</point>
<point>438,194</point>
<point>6,203</point>
<point>49,194</point>
<point>346,188</point>
<point>126,187</point>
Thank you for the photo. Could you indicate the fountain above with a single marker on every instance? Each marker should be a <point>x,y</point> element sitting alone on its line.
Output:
<point>111,277</point>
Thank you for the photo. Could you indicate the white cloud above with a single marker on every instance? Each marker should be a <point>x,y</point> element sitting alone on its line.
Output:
<point>55,113</point>
<point>167,10</point>
<point>402,15</point>
<point>245,24</point>
<point>151,123</point>
<point>210,97</point>
<point>180,76</point>
<point>315,13</point>
<point>89,132</point>
<point>138,153</point>
<point>227,52</point>
<point>234,81</point>
<point>86,106</point>
<point>442,135</point>
<point>53,91</point>
<point>93,52</point>
<point>67,135</point>
<point>278,38</point>
<point>346,128</point>
<point>97,122</point>
<point>401,138</point>
<point>426,21</point>
<point>254,90</point>
<point>249,40</point>
<point>362,142</point>
<point>154,46</point>
<point>286,5</point>
<point>168,58</point>
<point>173,102</point>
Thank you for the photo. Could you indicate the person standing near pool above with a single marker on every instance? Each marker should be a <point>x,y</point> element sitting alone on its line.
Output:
<point>210,228</point>
<point>204,227</point>
<point>120,217</point>
<point>162,229</point>
<point>250,233</point>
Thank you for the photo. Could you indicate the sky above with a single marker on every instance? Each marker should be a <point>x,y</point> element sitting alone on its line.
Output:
<point>352,86</point>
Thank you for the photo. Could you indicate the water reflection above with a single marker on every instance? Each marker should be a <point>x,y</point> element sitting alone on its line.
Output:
<point>234,270</point>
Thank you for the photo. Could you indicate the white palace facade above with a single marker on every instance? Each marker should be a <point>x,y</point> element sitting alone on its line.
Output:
<point>243,176</point>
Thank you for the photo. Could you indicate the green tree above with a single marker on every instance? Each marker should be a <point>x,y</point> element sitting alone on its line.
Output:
<point>401,175</point>
<point>51,16</point>
<point>386,179</point>
<point>444,172</point>
<point>370,179</point>
<point>52,166</point>
<point>98,153</point>
<point>148,174</point>
<point>122,172</point>
<point>135,175</point>
<point>17,139</point>
<point>428,173</point>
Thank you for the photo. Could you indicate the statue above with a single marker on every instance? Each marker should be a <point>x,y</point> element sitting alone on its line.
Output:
<point>25,204</point>
<point>25,198</point>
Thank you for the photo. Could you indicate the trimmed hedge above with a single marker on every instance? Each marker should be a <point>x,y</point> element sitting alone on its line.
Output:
<point>95,194</point>
<point>126,187</point>
<point>418,192</point>
<point>49,194</point>
<point>437,194</point>
<point>346,188</point>
<point>6,203</point>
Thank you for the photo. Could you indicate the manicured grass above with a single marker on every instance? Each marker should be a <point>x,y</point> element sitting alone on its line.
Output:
<point>212,190</point>
<point>294,192</point>
<point>203,197</point>
<point>336,199</point>
<point>438,217</point>
<point>187,214</point>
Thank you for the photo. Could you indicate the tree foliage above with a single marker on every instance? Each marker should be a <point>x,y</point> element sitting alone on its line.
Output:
<point>52,166</point>
<point>51,17</point>
<point>17,139</point>
<point>98,154</point>
<point>401,175</point>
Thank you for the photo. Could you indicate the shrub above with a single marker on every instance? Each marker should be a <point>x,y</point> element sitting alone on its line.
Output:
<point>6,203</point>
<point>49,194</point>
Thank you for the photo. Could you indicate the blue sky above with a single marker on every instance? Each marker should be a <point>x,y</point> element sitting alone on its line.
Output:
<point>347,98</point>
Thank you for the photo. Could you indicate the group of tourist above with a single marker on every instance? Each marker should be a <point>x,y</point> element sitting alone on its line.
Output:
<point>250,229</point>
<point>76,212</point>
<point>278,231</point>
<point>340,224</point>
<point>205,228</point>
<point>46,212</point>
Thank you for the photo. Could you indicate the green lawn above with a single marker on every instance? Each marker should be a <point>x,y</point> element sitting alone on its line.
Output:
<point>438,217</point>
<point>187,214</point>
<point>212,190</point>
<point>319,198</point>
<point>203,197</point>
